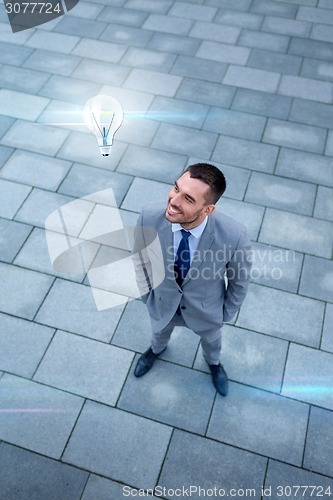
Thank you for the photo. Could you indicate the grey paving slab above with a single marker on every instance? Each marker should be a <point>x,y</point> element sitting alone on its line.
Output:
<point>248,214</point>
<point>237,178</point>
<point>296,136</point>
<point>312,113</point>
<point>42,139</point>
<point>12,237</point>
<point>153,82</point>
<point>322,32</point>
<point>261,103</point>
<point>316,278</point>
<point>197,12</point>
<point>249,78</point>
<point>80,147</point>
<point>133,102</point>
<point>22,79</point>
<point>319,442</point>
<point>168,24</point>
<point>283,479</point>
<point>326,4</point>
<point>144,191</point>
<point>104,489</point>
<point>276,267</point>
<point>176,44</point>
<point>223,53</point>
<point>251,358</point>
<point>273,61</point>
<point>260,40</point>
<point>305,166</point>
<point>39,205</point>
<point>70,306</point>
<point>179,112</point>
<point>327,340</point>
<point>83,180</point>
<point>35,170</point>
<point>148,59</point>
<point>241,5</point>
<point>12,196</point>
<point>329,145</point>
<point>286,26</point>
<point>13,54</point>
<point>324,206</point>
<point>235,123</point>
<point>98,71</point>
<point>278,192</point>
<point>126,35</point>
<point>23,290</point>
<point>150,5</point>
<point>105,367</point>
<point>97,49</point>
<point>210,31</point>
<point>86,10</point>
<point>63,115</point>
<point>110,442</point>
<point>23,344</point>
<point>311,14</point>
<point>261,422</point>
<point>55,42</point>
<point>79,26</point>
<point>306,88</point>
<point>26,106</point>
<point>176,138</point>
<point>29,475</point>
<point>5,124</point>
<point>273,8</point>
<point>35,255</point>
<point>5,153</point>
<point>118,15</point>
<point>308,376</point>
<point>297,232</point>
<point>282,314</point>
<point>199,68</point>
<point>164,395</point>
<point>152,164</point>
<point>246,154</point>
<point>190,462</point>
<point>6,35</point>
<point>206,92</point>
<point>36,417</point>
<point>238,18</point>
<point>70,89</point>
<point>313,68</point>
<point>311,48</point>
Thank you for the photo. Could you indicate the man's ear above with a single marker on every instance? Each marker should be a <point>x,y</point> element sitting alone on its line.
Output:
<point>209,209</point>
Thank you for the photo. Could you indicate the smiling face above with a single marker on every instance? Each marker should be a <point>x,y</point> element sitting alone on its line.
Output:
<point>188,202</point>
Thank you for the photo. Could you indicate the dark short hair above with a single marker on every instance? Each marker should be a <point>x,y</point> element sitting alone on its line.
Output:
<point>212,176</point>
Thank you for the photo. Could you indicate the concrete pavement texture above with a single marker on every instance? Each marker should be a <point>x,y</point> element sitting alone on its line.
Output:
<point>246,85</point>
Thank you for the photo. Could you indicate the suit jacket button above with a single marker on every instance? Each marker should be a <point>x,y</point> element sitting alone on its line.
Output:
<point>183,307</point>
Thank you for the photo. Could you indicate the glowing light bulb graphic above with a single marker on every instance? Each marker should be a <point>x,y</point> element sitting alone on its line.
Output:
<point>103,115</point>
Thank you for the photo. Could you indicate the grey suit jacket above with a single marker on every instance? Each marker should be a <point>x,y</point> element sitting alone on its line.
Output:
<point>216,283</point>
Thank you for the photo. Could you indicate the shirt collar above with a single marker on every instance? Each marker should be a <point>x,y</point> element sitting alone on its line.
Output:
<point>195,231</point>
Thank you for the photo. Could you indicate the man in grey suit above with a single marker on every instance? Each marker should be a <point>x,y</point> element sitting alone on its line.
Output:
<point>198,276</point>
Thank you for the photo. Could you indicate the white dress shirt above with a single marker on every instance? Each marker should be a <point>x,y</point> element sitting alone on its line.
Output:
<point>193,240</point>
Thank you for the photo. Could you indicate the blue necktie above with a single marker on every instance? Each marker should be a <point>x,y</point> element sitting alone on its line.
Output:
<point>182,260</point>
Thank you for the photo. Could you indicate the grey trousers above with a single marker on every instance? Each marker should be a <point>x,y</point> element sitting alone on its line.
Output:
<point>210,340</point>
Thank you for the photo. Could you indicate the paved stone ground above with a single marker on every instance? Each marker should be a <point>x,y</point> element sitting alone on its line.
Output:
<point>248,85</point>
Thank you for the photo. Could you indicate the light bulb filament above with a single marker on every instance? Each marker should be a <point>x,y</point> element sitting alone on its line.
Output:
<point>103,133</point>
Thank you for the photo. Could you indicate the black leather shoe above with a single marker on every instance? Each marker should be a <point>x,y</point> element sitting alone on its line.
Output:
<point>145,362</point>
<point>220,379</point>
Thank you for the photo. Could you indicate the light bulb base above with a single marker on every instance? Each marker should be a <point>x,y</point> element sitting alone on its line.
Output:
<point>105,150</point>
